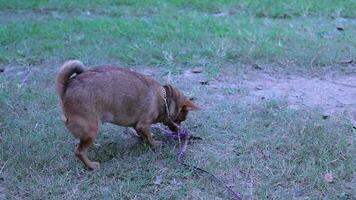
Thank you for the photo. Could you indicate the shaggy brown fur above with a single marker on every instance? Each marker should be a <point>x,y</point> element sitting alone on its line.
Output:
<point>114,95</point>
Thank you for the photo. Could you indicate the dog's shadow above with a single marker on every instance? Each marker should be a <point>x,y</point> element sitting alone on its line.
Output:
<point>111,148</point>
<point>105,151</point>
<point>115,146</point>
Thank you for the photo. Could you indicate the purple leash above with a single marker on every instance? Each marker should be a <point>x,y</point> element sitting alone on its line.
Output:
<point>182,134</point>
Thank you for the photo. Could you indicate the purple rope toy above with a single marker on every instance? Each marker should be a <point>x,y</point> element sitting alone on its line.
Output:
<point>183,134</point>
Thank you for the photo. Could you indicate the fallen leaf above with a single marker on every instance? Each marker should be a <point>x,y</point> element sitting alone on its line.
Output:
<point>346,61</point>
<point>256,66</point>
<point>204,82</point>
<point>326,116</point>
<point>158,180</point>
<point>197,70</point>
<point>328,178</point>
<point>220,14</point>
<point>192,98</point>
<point>259,88</point>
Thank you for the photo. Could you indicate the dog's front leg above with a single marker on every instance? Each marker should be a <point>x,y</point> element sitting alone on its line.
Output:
<point>144,132</point>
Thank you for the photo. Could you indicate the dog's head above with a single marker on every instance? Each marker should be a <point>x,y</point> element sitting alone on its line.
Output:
<point>179,106</point>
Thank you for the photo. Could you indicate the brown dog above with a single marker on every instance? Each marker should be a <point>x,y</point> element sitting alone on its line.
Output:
<point>118,96</point>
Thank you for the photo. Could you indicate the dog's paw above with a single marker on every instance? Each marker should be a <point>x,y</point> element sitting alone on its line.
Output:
<point>94,166</point>
<point>157,143</point>
<point>157,146</point>
<point>134,132</point>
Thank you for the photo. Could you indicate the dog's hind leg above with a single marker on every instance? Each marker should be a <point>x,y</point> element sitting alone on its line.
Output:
<point>86,131</point>
<point>81,152</point>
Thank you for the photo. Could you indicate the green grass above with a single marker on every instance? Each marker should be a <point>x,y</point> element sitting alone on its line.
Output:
<point>174,34</point>
<point>263,149</point>
<point>266,148</point>
<point>270,8</point>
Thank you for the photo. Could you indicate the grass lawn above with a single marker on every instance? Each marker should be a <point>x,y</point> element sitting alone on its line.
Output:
<point>264,149</point>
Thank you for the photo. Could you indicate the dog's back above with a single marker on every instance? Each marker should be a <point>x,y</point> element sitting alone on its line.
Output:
<point>114,94</point>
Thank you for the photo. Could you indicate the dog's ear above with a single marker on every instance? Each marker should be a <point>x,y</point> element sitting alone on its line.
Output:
<point>189,105</point>
<point>169,89</point>
<point>185,103</point>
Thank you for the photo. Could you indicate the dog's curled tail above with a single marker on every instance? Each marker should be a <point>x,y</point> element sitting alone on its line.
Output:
<point>69,68</point>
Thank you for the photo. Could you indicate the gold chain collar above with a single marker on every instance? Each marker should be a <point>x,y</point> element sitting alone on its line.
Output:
<point>164,92</point>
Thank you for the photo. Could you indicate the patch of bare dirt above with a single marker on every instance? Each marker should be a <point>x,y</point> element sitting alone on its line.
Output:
<point>330,93</point>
